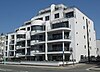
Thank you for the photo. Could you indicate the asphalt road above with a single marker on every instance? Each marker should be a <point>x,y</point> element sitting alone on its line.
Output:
<point>23,68</point>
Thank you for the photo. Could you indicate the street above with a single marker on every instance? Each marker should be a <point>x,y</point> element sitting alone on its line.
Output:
<point>23,68</point>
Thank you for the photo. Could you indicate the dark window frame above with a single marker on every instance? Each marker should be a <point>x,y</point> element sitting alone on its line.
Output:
<point>47,18</point>
<point>69,14</point>
<point>56,15</point>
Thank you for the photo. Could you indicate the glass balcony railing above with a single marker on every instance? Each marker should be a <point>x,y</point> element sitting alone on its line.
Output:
<point>60,25</point>
<point>37,28</point>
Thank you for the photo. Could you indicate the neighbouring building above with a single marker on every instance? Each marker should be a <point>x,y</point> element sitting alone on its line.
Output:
<point>56,33</point>
<point>98,47</point>
<point>2,46</point>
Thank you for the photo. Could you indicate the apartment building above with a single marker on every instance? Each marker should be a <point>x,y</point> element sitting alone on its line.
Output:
<point>56,33</point>
<point>98,47</point>
<point>2,46</point>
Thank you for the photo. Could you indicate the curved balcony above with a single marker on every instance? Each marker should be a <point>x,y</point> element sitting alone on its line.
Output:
<point>21,32</point>
<point>60,52</point>
<point>37,22</point>
<point>19,54</point>
<point>20,37</point>
<point>33,42</point>
<point>37,26</point>
<point>34,52</point>
<point>38,32</point>
<point>20,47</point>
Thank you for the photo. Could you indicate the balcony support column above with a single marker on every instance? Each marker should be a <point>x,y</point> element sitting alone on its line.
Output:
<point>26,46</point>
<point>63,47</point>
<point>46,47</point>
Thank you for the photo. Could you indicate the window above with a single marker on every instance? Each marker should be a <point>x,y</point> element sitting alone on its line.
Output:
<point>55,36</point>
<point>90,39</point>
<point>90,47</point>
<point>21,43</point>
<point>46,18</point>
<point>21,36</point>
<point>89,30</point>
<point>39,18</point>
<point>56,8</point>
<point>28,28</point>
<point>17,30</point>
<point>23,29</point>
<point>5,53</point>
<point>84,37</point>
<point>83,27</point>
<point>82,57</point>
<point>61,24</point>
<point>28,42</point>
<point>12,42</point>
<point>83,18</point>
<point>37,27</point>
<point>6,37</point>
<point>85,46</point>
<point>66,35</point>
<point>57,15</point>
<point>6,42</point>
<point>6,48</point>
<point>12,36</point>
<point>38,37</point>
<point>76,32</point>
<point>69,14</point>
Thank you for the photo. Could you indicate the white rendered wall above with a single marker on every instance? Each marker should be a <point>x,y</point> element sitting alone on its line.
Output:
<point>98,47</point>
<point>80,41</point>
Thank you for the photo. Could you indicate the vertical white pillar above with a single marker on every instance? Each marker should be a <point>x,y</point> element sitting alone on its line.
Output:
<point>26,45</point>
<point>63,46</point>
<point>14,44</point>
<point>46,48</point>
<point>52,12</point>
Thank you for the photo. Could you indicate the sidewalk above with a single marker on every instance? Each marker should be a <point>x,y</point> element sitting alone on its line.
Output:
<point>51,67</point>
<point>95,68</point>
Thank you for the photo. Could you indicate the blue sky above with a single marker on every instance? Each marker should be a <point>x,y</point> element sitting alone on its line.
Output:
<point>13,13</point>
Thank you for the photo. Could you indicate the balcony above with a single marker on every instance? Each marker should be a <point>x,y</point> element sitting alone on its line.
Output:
<point>20,44</point>
<point>21,32</point>
<point>61,25</point>
<point>19,54</point>
<point>34,52</point>
<point>33,42</point>
<point>55,49</point>
<point>55,36</point>
<point>37,28</point>
<point>11,53</point>
<point>59,36</point>
<point>39,38</point>
<point>12,42</point>
<point>11,49</point>
<point>21,37</point>
<point>20,47</point>
<point>60,52</point>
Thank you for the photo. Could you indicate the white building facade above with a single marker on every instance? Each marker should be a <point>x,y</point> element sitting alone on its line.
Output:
<point>2,46</point>
<point>57,33</point>
<point>98,47</point>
